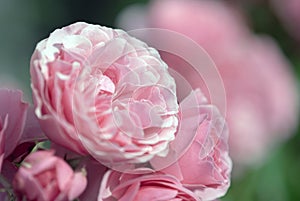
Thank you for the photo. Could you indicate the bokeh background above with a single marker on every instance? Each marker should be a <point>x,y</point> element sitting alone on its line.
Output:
<point>24,23</point>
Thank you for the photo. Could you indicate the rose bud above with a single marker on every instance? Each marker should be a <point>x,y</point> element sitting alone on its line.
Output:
<point>45,177</point>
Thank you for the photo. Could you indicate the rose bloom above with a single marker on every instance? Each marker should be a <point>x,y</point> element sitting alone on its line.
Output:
<point>202,169</point>
<point>99,91</point>
<point>13,113</point>
<point>260,88</point>
<point>45,177</point>
<point>133,187</point>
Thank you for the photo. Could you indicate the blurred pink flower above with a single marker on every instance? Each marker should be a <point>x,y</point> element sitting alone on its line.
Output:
<point>99,91</point>
<point>13,113</point>
<point>132,187</point>
<point>176,15</point>
<point>262,98</point>
<point>288,13</point>
<point>45,177</point>
<point>205,166</point>
<point>262,102</point>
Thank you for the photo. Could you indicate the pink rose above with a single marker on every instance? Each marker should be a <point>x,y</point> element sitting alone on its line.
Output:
<point>202,164</point>
<point>260,88</point>
<point>97,90</point>
<point>13,113</point>
<point>45,177</point>
<point>131,187</point>
<point>205,166</point>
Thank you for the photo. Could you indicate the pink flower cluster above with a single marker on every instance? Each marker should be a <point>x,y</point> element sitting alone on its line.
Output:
<point>110,110</point>
<point>261,92</point>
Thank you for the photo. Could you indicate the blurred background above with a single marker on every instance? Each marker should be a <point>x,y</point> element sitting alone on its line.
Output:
<point>24,23</point>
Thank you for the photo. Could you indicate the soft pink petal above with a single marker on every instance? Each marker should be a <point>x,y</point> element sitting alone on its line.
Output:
<point>11,104</point>
<point>32,130</point>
